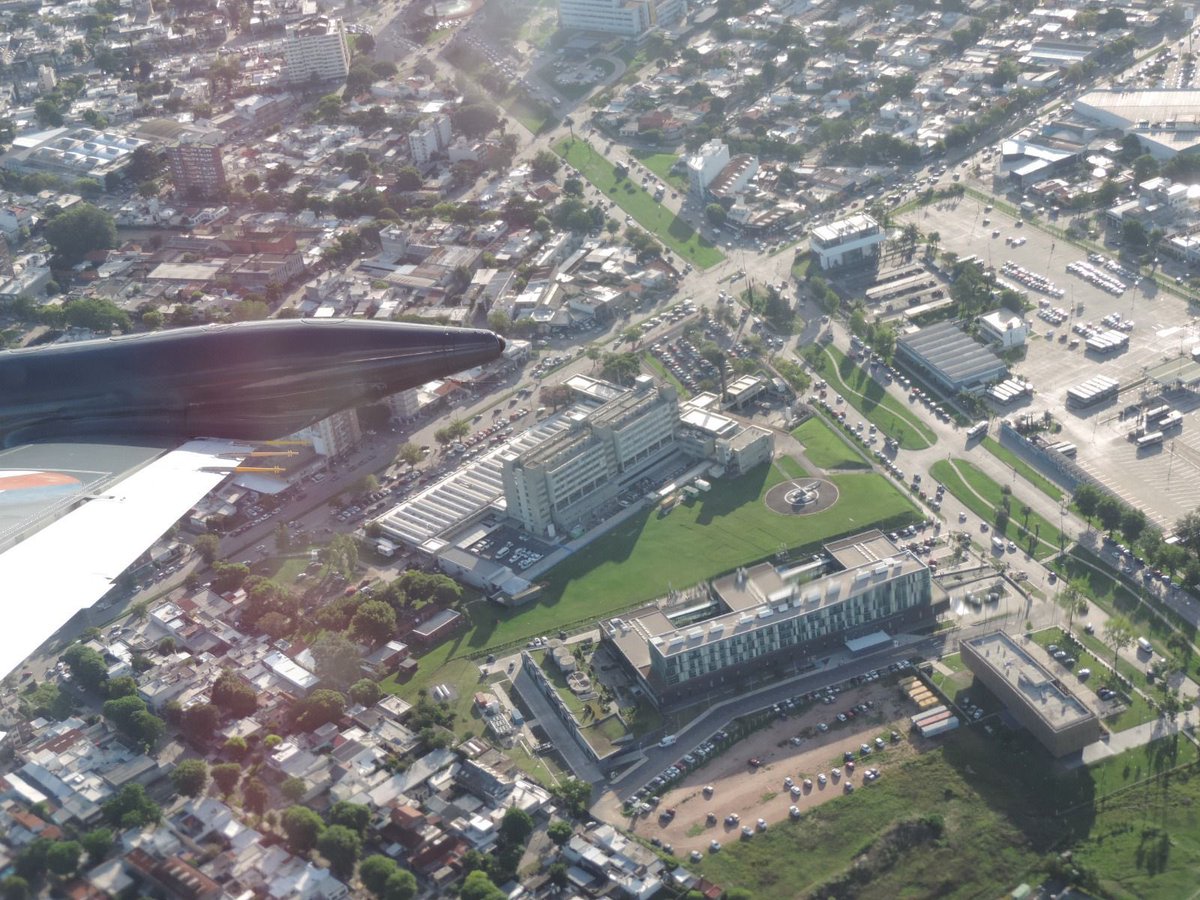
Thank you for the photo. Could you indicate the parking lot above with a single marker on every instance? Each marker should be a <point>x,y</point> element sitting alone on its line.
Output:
<point>1161,480</point>
<point>793,748</point>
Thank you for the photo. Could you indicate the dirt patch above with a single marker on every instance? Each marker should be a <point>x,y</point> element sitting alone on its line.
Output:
<point>761,793</point>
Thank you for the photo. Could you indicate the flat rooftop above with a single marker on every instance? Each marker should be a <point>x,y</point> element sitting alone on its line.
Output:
<point>1029,668</point>
<point>847,229</point>
<point>860,549</point>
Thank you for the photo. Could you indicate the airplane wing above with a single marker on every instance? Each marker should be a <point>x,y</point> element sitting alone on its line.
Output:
<point>74,516</point>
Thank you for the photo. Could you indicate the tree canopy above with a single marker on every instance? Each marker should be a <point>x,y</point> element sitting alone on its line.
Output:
<point>78,231</point>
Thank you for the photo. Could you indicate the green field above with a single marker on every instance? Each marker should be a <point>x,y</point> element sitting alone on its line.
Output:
<point>1004,810</point>
<point>529,114</point>
<point>672,230</point>
<point>824,447</point>
<point>1024,469</point>
<point>979,493</point>
<point>660,164</point>
<point>868,396</point>
<point>1114,596</point>
<point>648,555</point>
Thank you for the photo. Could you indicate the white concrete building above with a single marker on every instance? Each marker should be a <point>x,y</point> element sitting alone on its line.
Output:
<point>628,18</point>
<point>315,48</point>
<point>47,80</point>
<point>335,436</point>
<point>705,165</point>
<point>1004,328</point>
<point>429,139</point>
<point>846,242</point>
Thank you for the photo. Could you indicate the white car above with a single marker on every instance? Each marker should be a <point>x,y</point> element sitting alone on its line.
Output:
<point>668,741</point>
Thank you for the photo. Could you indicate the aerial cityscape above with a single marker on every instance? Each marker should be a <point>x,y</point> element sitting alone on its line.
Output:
<point>599,449</point>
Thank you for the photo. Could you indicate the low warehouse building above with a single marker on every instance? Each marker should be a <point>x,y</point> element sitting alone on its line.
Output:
<point>951,358</point>
<point>1040,693</point>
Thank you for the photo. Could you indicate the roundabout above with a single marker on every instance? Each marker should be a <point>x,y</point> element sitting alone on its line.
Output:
<point>801,496</point>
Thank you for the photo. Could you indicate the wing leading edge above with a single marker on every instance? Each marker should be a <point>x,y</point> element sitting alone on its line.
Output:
<point>70,563</point>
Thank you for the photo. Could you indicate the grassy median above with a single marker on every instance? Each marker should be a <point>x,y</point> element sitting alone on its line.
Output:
<point>669,228</point>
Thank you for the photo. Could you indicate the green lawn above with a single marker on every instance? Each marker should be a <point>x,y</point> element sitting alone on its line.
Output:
<point>660,164</point>
<point>648,555</point>
<point>824,447</point>
<point>791,467</point>
<point>672,230</point>
<point>1005,808</point>
<point>1114,596</point>
<point>982,496</point>
<point>868,396</point>
<point>532,115</point>
<point>1026,471</point>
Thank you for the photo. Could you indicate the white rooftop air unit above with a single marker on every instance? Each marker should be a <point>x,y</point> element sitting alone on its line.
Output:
<point>861,575</point>
<point>744,620</point>
<point>716,630</point>
<point>696,634</point>
<point>881,570</point>
<point>835,588</point>
<point>765,612</point>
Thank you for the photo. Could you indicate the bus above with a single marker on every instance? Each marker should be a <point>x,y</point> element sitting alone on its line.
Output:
<point>1153,439</point>
<point>979,429</point>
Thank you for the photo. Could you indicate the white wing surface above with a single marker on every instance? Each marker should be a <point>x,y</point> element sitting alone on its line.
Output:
<point>78,526</point>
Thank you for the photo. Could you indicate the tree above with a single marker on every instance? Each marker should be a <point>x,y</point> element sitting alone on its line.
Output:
<point>293,788</point>
<point>374,872</point>
<point>1074,599</point>
<point>1133,524</point>
<point>477,886</point>
<point>226,777</point>
<point>131,808</point>
<point>1134,235</point>
<point>319,707</point>
<point>1188,530</point>
<point>46,700</point>
<point>199,721</point>
<point>144,163</point>
<point>401,885</point>
<point>342,555</point>
<point>716,214</point>
<point>130,716</point>
<point>229,577</point>
<point>560,831</point>
<point>354,816</point>
<point>545,164</point>
<point>341,846</point>
<point>374,622</point>
<point>303,827</point>
<point>516,826</point>
<point>365,692</point>
<point>236,747</point>
<point>207,545</point>
<point>411,454</point>
<point>474,120</point>
<point>338,660</point>
<point>575,795</point>
<point>16,888</point>
<point>1119,634</point>
<point>233,696</point>
<point>79,230</point>
<point>1110,512</point>
<point>254,796</point>
<point>98,843</point>
<point>190,777</point>
<point>62,858</point>
<point>1086,499</point>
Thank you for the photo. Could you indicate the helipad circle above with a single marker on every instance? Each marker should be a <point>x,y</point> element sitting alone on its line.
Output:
<point>801,496</point>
